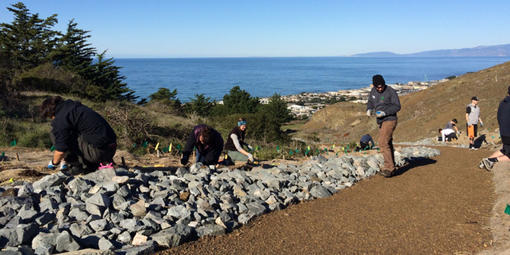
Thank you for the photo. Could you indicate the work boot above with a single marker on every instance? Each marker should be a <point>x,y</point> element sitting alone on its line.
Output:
<point>386,173</point>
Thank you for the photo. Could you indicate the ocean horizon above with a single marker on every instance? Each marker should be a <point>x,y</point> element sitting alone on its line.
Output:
<point>264,76</point>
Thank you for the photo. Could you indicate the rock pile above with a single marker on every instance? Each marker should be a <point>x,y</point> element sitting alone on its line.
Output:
<point>136,212</point>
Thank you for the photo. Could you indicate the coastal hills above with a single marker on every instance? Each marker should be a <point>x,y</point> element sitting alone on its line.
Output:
<point>423,112</point>
<point>479,51</point>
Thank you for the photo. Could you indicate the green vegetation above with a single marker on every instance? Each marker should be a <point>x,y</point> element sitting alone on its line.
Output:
<point>37,61</point>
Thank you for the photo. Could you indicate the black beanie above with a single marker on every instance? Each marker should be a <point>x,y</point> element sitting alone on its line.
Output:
<point>378,80</point>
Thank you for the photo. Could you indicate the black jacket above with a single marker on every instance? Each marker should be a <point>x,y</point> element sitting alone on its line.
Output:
<point>504,120</point>
<point>210,151</point>
<point>387,101</point>
<point>73,119</point>
<point>229,145</point>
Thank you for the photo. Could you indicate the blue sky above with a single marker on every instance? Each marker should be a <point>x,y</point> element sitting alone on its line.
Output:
<point>239,28</point>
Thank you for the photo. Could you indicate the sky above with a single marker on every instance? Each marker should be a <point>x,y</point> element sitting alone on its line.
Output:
<point>273,28</point>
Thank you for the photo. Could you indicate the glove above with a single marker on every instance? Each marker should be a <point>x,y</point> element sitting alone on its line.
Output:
<point>184,160</point>
<point>380,114</point>
<point>250,148</point>
<point>369,113</point>
<point>63,166</point>
<point>250,157</point>
<point>481,123</point>
<point>52,166</point>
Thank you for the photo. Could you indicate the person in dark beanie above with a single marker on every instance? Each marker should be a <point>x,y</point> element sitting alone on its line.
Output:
<point>81,137</point>
<point>235,143</point>
<point>504,131</point>
<point>384,102</point>
<point>208,144</point>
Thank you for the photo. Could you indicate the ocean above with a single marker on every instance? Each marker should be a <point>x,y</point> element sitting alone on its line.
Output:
<point>262,77</point>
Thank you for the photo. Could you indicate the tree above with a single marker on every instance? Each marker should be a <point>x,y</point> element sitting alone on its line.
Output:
<point>168,98</point>
<point>107,83</point>
<point>73,52</point>
<point>201,105</point>
<point>240,101</point>
<point>277,110</point>
<point>28,39</point>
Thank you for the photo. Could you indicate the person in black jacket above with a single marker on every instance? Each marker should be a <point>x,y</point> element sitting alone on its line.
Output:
<point>504,131</point>
<point>208,144</point>
<point>81,136</point>
<point>384,101</point>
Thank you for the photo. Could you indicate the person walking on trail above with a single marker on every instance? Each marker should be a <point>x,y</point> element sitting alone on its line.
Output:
<point>384,102</point>
<point>472,120</point>
<point>366,142</point>
<point>208,144</point>
<point>504,131</point>
<point>82,138</point>
<point>235,143</point>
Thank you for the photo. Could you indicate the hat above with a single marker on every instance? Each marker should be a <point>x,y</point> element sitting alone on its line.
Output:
<point>378,80</point>
<point>455,121</point>
<point>475,98</point>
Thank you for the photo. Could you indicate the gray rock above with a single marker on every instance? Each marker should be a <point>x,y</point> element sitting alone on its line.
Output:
<point>138,208</point>
<point>94,209</point>
<point>78,185</point>
<point>210,230</point>
<point>49,181</point>
<point>105,244</point>
<point>45,241</point>
<point>27,214</point>
<point>98,225</point>
<point>9,237</point>
<point>124,237</point>
<point>45,219</point>
<point>256,208</point>
<point>174,236</point>
<point>244,218</point>
<point>319,191</point>
<point>20,250</point>
<point>26,189</point>
<point>145,249</point>
<point>80,230</point>
<point>99,199</point>
<point>44,249</point>
<point>78,214</point>
<point>100,176</point>
<point>65,242</point>
<point>178,212</point>
<point>119,203</point>
<point>131,225</point>
<point>26,232</point>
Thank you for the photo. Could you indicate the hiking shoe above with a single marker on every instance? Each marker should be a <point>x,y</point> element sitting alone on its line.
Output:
<point>386,173</point>
<point>481,165</point>
<point>488,164</point>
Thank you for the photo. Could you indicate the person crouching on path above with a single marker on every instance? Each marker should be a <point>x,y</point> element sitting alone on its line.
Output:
<point>81,137</point>
<point>235,143</point>
<point>504,131</point>
<point>366,142</point>
<point>450,131</point>
<point>384,101</point>
<point>208,144</point>
<point>472,119</point>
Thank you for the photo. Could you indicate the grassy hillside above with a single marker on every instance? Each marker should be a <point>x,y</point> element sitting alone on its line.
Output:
<point>422,112</point>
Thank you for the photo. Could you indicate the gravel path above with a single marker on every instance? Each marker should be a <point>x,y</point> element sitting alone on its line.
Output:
<point>441,206</point>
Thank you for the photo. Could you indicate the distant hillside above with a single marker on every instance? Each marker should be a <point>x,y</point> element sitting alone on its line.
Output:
<point>422,112</point>
<point>480,51</point>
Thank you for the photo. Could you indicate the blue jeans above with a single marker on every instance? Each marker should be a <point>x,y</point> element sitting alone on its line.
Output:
<point>200,157</point>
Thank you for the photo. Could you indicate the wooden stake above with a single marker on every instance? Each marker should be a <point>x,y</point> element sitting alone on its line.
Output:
<point>17,156</point>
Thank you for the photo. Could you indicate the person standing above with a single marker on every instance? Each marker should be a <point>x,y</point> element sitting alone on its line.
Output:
<point>472,120</point>
<point>384,101</point>
<point>235,143</point>
<point>504,131</point>
<point>208,144</point>
<point>81,136</point>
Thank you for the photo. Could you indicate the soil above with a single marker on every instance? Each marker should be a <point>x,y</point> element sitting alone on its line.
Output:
<point>436,206</point>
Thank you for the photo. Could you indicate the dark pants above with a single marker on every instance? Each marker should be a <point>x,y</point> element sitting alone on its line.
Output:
<point>450,137</point>
<point>87,156</point>
<point>386,143</point>
<point>475,126</point>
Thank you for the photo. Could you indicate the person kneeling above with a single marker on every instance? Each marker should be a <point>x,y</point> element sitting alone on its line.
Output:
<point>208,144</point>
<point>235,143</point>
<point>81,137</point>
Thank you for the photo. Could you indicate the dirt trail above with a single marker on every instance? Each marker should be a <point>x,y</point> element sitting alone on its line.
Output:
<point>441,206</point>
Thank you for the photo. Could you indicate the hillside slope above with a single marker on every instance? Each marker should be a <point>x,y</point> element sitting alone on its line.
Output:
<point>422,112</point>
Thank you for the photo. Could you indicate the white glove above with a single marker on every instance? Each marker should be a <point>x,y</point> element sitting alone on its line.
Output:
<point>250,148</point>
<point>250,157</point>
<point>380,114</point>
<point>369,113</point>
<point>481,123</point>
